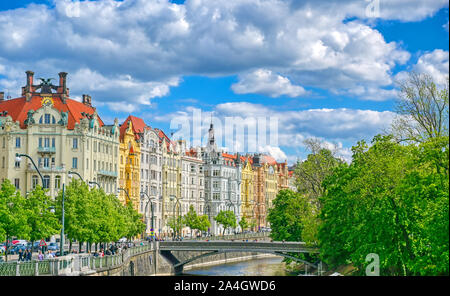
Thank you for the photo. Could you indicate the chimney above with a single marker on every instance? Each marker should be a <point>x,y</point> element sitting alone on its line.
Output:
<point>87,100</point>
<point>30,75</point>
<point>2,96</point>
<point>62,82</point>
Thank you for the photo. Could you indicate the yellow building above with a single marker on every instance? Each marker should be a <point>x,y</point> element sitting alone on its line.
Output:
<point>129,164</point>
<point>271,183</point>
<point>247,195</point>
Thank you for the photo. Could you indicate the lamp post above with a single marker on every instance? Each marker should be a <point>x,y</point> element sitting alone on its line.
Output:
<point>71,173</point>
<point>126,192</point>
<point>19,159</point>
<point>172,197</point>
<point>259,215</point>
<point>207,209</point>
<point>94,183</point>
<point>149,200</point>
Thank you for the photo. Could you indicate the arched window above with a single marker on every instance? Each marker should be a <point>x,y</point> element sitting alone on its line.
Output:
<point>47,181</point>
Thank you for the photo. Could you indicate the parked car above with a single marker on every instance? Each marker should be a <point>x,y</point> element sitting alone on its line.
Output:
<point>15,249</point>
<point>53,247</point>
<point>57,254</point>
<point>19,241</point>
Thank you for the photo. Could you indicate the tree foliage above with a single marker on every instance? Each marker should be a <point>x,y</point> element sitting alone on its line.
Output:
<point>40,212</point>
<point>13,219</point>
<point>391,200</point>
<point>226,219</point>
<point>94,216</point>
<point>422,109</point>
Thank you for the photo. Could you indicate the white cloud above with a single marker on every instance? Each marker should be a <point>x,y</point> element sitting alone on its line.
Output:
<point>158,41</point>
<point>275,152</point>
<point>266,82</point>
<point>435,64</point>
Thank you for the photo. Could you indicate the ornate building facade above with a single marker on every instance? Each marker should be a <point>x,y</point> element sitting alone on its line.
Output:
<point>59,134</point>
<point>222,183</point>
<point>130,157</point>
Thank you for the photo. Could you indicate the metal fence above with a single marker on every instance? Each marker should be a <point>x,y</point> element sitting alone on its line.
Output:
<point>71,264</point>
<point>253,235</point>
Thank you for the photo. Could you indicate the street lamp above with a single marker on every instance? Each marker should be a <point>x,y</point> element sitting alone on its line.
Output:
<point>126,192</point>
<point>19,159</point>
<point>172,197</point>
<point>259,214</point>
<point>70,175</point>
<point>94,183</point>
<point>149,200</point>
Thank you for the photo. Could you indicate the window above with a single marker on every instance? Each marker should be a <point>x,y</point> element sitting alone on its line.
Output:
<point>53,142</point>
<point>3,162</point>
<point>47,118</point>
<point>75,143</point>
<point>57,182</point>
<point>18,142</point>
<point>47,181</point>
<point>46,162</point>
<point>75,163</point>
<point>47,142</point>
<point>17,183</point>
<point>17,164</point>
<point>34,181</point>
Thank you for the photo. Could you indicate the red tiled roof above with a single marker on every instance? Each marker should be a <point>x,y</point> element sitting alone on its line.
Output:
<point>269,159</point>
<point>138,126</point>
<point>19,107</point>
<point>162,135</point>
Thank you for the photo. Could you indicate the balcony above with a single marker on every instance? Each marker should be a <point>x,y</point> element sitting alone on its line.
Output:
<point>50,150</point>
<point>107,173</point>
<point>50,169</point>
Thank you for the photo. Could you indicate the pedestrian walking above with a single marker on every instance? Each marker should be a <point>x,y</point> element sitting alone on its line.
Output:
<point>20,255</point>
<point>40,256</point>
<point>28,255</point>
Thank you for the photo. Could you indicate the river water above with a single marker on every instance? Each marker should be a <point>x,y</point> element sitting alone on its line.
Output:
<point>272,266</point>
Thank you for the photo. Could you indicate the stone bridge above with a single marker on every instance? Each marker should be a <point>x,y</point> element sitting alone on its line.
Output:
<point>209,248</point>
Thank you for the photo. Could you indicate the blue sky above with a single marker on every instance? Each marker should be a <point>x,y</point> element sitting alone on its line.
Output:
<point>324,68</point>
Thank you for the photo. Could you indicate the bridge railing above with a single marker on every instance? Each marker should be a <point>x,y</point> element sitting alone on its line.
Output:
<point>238,236</point>
<point>71,264</point>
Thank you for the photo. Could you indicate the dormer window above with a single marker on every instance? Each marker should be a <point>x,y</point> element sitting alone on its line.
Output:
<point>47,119</point>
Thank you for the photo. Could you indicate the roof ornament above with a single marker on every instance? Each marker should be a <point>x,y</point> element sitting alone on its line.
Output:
<point>30,119</point>
<point>64,118</point>
<point>46,86</point>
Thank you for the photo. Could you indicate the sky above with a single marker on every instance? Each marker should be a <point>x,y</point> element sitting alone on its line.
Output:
<point>311,69</point>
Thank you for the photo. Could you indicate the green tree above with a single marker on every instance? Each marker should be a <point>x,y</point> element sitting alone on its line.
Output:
<point>203,223</point>
<point>422,109</point>
<point>13,219</point>
<point>176,223</point>
<point>391,200</point>
<point>191,219</point>
<point>41,217</point>
<point>243,224</point>
<point>226,219</point>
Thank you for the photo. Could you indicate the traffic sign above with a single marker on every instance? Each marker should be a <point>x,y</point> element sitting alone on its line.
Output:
<point>42,243</point>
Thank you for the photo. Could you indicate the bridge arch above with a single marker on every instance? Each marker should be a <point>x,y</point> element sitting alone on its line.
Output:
<point>180,265</point>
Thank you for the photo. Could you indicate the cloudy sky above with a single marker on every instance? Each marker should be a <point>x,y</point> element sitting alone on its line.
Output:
<point>325,69</point>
